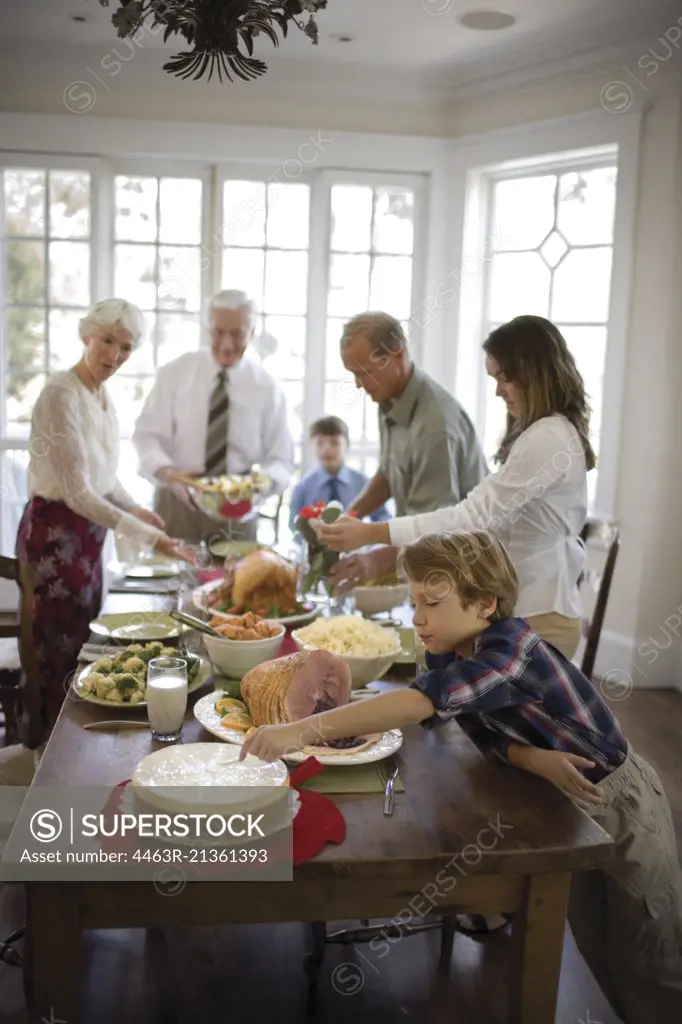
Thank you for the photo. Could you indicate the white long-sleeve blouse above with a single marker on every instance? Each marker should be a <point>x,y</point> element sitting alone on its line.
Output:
<point>536,504</point>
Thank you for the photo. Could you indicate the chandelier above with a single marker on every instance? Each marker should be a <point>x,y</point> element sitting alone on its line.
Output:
<point>220,33</point>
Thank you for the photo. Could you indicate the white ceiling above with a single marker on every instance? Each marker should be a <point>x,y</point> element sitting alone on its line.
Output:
<point>419,36</point>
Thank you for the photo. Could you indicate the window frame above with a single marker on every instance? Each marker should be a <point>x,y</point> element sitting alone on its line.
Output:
<point>507,153</point>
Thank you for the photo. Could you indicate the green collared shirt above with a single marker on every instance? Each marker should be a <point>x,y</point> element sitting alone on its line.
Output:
<point>430,454</point>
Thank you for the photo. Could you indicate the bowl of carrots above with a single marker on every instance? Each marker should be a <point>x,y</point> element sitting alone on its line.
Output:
<point>246,641</point>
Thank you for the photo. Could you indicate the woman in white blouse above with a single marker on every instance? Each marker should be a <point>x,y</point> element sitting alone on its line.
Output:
<point>75,497</point>
<point>536,502</point>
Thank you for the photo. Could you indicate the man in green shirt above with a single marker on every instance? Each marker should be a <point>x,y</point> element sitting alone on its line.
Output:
<point>430,455</point>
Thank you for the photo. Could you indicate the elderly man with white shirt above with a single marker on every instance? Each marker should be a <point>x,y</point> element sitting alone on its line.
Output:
<point>212,412</point>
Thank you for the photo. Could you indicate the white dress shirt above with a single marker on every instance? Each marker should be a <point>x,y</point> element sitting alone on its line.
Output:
<point>74,451</point>
<point>171,429</point>
<point>536,504</point>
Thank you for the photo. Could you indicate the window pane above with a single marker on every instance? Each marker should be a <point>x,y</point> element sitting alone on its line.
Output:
<point>179,279</point>
<point>180,204</point>
<point>22,393</point>
<point>135,274</point>
<point>14,494</point>
<point>351,218</point>
<point>65,345</point>
<point>286,282</point>
<point>128,395</point>
<point>25,272</point>
<point>348,285</point>
<point>588,345</point>
<point>344,400</point>
<point>587,204</point>
<point>284,341</point>
<point>582,287</point>
<point>243,214</point>
<point>495,421</point>
<point>519,283</point>
<point>69,204</point>
<point>70,273</point>
<point>243,269</point>
<point>391,285</point>
<point>24,202</point>
<point>177,333</point>
<point>371,420</point>
<point>393,221</point>
<point>335,370</point>
<point>293,392</point>
<point>136,209</point>
<point>523,212</point>
<point>288,216</point>
<point>25,340</point>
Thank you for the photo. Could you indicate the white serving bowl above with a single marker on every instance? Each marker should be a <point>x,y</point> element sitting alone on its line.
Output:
<point>234,658</point>
<point>374,600</point>
<point>363,668</point>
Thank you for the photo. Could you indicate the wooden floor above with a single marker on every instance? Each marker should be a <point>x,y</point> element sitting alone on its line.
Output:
<point>251,975</point>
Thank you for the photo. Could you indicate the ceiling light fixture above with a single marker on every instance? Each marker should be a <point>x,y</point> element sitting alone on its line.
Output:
<point>486,20</point>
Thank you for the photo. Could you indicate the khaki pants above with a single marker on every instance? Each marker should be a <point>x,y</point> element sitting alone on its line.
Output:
<point>558,630</point>
<point>193,526</point>
<point>627,918</point>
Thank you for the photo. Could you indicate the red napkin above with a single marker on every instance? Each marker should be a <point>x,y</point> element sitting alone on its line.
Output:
<point>208,575</point>
<point>318,822</point>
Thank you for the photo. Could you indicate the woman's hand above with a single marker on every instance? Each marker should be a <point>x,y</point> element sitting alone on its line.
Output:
<point>147,516</point>
<point>177,550</point>
<point>269,742</point>
<point>562,770</point>
<point>347,534</point>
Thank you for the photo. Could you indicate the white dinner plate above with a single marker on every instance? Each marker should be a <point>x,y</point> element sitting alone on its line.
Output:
<point>205,713</point>
<point>201,677</point>
<point>199,601</point>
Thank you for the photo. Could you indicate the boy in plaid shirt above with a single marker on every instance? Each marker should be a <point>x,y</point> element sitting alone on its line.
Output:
<point>524,703</point>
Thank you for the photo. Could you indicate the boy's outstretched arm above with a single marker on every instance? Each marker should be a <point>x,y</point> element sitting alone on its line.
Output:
<point>360,718</point>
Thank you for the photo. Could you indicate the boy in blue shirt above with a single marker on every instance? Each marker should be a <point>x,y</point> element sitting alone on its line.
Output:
<point>520,700</point>
<point>332,480</point>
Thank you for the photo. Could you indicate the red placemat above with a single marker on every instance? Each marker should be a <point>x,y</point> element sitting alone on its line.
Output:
<point>318,822</point>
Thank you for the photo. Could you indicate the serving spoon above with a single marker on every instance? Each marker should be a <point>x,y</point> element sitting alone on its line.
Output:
<point>198,624</point>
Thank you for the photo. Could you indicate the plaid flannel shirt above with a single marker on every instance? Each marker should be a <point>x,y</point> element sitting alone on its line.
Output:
<point>519,689</point>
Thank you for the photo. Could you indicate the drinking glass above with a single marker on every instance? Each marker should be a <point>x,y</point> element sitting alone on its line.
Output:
<point>166,697</point>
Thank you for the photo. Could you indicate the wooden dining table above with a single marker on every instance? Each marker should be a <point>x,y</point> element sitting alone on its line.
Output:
<point>388,867</point>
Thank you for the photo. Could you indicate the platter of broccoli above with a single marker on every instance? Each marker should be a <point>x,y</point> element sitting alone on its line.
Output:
<point>120,679</point>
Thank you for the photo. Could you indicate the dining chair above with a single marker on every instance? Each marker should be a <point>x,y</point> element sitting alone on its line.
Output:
<point>17,657</point>
<point>273,517</point>
<point>607,536</point>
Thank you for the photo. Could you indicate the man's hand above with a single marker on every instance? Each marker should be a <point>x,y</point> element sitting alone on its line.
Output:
<point>562,770</point>
<point>147,516</point>
<point>347,534</point>
<point>354,570</point>
<point>166,478</point>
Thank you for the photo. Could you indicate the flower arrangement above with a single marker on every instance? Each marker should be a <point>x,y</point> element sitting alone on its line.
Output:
<point>320,557</point>
<point>220,33</point>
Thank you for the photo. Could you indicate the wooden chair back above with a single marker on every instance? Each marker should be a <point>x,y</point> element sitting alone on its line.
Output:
<point>19,625</point>
<point>609,535</point>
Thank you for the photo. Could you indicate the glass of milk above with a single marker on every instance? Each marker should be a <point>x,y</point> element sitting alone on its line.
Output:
<point>166,697</point>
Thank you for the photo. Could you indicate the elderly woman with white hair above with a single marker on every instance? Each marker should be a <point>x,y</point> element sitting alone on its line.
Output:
<point>214,411</point>
<point>75,497</point>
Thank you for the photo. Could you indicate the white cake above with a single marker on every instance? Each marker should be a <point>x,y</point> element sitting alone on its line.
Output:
<point>208,778</point>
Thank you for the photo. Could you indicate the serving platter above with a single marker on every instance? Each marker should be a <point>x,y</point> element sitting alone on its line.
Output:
<point>206,714</point>
<point>202,676</point>
<point>199,595</point>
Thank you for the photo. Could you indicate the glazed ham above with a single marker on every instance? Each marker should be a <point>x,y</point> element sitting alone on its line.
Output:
<point>296,686</point>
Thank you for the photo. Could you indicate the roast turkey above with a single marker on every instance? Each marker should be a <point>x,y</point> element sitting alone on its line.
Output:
<point>264,580</point>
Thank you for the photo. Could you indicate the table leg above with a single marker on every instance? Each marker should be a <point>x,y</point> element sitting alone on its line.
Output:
<point>538,940</point>
<point>52,953</point>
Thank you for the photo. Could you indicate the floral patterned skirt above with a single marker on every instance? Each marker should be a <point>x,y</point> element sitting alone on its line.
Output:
<point>64,551</point>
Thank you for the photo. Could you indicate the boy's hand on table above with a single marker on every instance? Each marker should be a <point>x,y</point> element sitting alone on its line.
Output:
<point>561,769</point>
<point>269,742</point>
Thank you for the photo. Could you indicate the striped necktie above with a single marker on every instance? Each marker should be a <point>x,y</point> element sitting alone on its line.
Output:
<point>216,434</point>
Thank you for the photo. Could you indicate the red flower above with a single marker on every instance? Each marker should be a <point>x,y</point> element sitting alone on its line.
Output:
<point>353,515</point>
<point>310,512</point>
